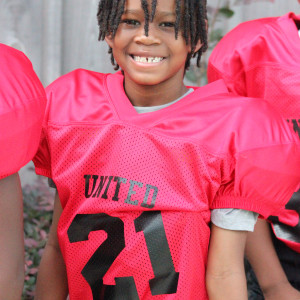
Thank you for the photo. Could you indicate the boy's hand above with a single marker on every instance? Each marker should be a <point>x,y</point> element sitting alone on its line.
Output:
<point>281,291</point>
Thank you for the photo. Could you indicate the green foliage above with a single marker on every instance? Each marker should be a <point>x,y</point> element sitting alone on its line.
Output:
<point>38,205</point>
<point>226,12</point>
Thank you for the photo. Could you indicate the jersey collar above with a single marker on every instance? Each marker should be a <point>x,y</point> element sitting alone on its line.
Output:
<point>126,111</point>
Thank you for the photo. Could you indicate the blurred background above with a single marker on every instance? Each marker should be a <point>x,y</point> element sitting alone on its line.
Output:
<point>59,36</point>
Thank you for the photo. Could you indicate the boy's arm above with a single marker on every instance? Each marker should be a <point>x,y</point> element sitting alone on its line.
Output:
<point>225,275</point>
<point>11,238</point>
<point>52,278</point>
<point>266,265</point>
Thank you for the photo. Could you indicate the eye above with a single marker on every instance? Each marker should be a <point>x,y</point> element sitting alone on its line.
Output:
<point>167,24</point>
<point>130,22</point>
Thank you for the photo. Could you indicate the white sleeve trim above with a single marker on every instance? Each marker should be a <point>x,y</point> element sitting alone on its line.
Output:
<point>234,219</point>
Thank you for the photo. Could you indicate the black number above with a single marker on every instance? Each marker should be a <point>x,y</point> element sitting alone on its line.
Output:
<point>165,280</point>
<point>286,232</point>
<point>104,256</point>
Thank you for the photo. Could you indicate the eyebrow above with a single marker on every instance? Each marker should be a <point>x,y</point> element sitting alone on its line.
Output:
<point>157,13</point>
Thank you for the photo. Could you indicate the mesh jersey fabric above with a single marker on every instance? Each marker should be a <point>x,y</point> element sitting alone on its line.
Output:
<point>22,105</point>
<point>226,218</point>
<point>265,63</point>
<point>137,189</point>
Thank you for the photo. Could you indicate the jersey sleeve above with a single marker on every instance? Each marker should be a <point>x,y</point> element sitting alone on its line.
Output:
<point>42,159</point>
<point>22,105</point>
<point>65,103</point>
<point>233,54</point>
<point>263,171</point>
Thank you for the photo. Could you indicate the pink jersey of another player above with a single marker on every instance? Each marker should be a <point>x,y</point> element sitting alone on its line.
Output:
<point>137,189</point>
<point>261,58</point>
<point>22,105</point>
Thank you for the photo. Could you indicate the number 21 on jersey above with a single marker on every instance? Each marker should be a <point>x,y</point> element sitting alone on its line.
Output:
<point>151,224</point>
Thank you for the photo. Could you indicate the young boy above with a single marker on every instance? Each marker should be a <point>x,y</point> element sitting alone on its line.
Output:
<point>260,58</point>
<point>22,105</point>
<point>135,190</point>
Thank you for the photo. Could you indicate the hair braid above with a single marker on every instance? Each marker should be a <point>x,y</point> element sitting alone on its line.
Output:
<point>120,11</point>
<point>192,30</point>
<point>114,11</point>
<point>153,9</point>
<point>147,17</point>
<point>102,16</point>
<point>178,17</point>
<point>201,28</point>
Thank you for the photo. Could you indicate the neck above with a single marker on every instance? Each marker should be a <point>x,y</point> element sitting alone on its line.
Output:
<point>153,95</point>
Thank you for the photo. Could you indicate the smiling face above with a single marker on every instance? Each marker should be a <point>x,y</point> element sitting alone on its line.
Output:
<point>153,59</point>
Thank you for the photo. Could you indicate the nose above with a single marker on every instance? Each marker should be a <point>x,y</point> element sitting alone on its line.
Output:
<point>151,39</point>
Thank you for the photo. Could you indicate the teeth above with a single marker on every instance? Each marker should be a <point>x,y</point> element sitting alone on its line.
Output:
<point>157,59</point>
<point>148,60</point>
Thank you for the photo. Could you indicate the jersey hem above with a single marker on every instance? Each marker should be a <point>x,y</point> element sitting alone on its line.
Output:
<point>43,172</point>
<point>263,209</point>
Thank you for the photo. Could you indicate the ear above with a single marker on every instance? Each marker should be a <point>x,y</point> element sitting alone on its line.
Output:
<point>110,41</point>
<point>198,46</point>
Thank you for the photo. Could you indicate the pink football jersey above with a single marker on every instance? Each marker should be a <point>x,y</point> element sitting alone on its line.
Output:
<point>22,105</point>
<point>137,189</point>
<point>261,58</point>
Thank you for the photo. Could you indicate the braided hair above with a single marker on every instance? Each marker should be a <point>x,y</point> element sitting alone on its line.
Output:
<point>191,17</point>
